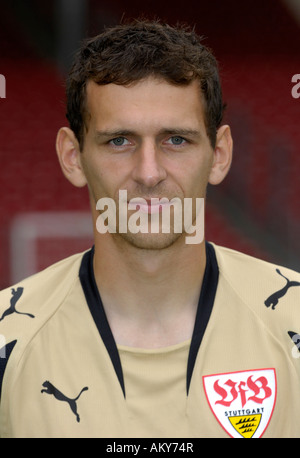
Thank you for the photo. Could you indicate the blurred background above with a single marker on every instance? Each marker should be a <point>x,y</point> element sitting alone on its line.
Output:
<point>257,43</point>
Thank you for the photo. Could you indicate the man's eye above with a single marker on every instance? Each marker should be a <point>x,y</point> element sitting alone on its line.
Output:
<point>119,141</point>
<point>176,140</point>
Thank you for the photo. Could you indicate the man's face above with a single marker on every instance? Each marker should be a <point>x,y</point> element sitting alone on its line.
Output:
<point>150,140</point>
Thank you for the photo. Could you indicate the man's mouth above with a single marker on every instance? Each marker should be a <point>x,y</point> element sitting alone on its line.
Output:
<point>150,206</point>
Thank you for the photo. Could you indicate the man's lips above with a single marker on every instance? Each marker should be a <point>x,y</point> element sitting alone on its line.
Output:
<point>154,205</point>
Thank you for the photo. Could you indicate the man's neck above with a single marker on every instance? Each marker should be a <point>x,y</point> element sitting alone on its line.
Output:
<point>150,296</point>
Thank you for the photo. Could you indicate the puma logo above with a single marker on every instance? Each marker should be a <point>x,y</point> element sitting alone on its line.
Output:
<point>50,389</point>
<point>16,294</point>
<point>274,298</point>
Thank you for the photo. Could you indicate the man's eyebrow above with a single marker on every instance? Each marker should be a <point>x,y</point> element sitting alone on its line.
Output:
<point>180,132</point>
<point>102,135</point>
<point>105,134</point>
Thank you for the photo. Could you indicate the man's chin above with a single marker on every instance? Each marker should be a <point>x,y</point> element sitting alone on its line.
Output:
<point>150,241</point>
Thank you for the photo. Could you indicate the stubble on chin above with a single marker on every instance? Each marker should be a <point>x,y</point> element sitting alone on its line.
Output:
<point>148,241</point>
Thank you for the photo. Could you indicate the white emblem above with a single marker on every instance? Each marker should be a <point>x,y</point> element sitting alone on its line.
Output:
<point>242,402</point>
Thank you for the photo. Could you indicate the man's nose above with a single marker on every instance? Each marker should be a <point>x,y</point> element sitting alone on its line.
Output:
<point>148,170</point>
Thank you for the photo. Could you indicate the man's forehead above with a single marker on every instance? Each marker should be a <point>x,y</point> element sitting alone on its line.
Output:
<point>148,92</point>
<point>92,88</point>
<point>108,110</point>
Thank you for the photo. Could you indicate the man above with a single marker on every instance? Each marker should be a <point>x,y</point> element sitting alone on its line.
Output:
<point>147,334</point>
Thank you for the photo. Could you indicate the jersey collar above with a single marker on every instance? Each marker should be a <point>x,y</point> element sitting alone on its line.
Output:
<point>205,305</point>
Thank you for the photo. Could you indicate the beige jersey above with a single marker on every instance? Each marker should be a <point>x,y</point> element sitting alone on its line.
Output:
<point>62,374</point>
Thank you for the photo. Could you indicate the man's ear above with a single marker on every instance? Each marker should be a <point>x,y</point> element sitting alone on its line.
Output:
<point>68,151</point>
<point>222,156</point>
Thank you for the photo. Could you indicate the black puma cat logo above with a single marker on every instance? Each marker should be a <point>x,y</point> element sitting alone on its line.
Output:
<point>274,298</point>
<point>16,294</point>
<point>50,389</point>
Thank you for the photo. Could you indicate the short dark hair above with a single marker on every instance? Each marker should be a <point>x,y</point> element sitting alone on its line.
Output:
<point>128,53</point>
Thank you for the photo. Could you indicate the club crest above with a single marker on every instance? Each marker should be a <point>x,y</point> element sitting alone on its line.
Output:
<point>242,402</point>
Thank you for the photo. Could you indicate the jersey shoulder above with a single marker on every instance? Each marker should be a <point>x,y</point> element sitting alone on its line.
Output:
<point>26,305</point>
<point>261,285</point>
<point>236,259</point>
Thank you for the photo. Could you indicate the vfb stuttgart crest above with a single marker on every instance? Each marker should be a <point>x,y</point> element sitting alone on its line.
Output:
<point>242,402</point>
